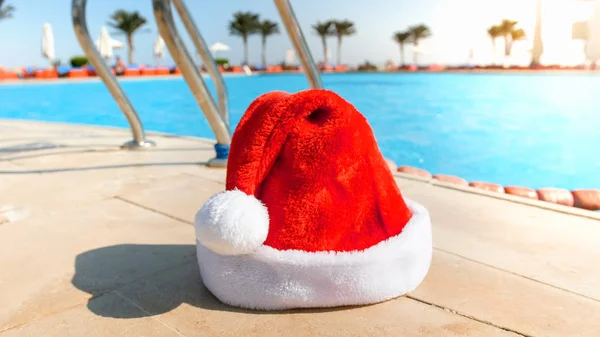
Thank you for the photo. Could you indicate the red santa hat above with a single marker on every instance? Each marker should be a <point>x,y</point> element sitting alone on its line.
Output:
<point>311,215</point>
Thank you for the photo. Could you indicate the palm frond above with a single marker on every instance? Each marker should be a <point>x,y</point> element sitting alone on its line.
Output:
<point>323,28</point>
<point>517,34</point>
<point>244,24</point>
<point>127,22</point>
<point>401,37</point>
<point>267,28</point>
<point>6,11</point>
<point>419,32</point>
<point>494,32</point>
<point>343,28</point>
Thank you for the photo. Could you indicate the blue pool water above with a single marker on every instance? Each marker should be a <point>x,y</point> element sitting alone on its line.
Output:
<point>514,129</point>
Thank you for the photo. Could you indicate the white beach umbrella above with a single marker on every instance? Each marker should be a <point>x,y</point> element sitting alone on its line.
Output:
<point>159,49</point>
<point>104,44</point>
<point>48,42</point>
<point>114,44</point>
<point>219,47</point>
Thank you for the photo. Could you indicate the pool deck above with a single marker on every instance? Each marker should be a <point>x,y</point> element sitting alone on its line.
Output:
<point>98,241</point>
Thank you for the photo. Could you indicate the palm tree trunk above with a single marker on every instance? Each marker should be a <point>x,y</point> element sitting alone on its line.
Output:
<point>324,41</point>
<point>416,53</point>
<point>339,51</point>
<point>506,50</point>
<point>130,51</point>
<point>402,55</point>
<point>245,38</point>
<point>264,51</point>
<point>494,52</point>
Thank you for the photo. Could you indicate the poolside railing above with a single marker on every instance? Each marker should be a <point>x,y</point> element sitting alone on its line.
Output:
<point>209,61</point>
<point>295,33</point>
<point>218,117</point>
<point>83,36</point>
<point>193,78</point>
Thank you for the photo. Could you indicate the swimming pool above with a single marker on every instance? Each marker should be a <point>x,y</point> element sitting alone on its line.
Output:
<point>540,130</point>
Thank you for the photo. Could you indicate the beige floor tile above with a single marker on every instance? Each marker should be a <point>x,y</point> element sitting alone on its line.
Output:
<point>10,209</point>
<point>179,196</point>
<point>79,321</point>
<point>53,262</point>
<point>179,299</point>
<point>548,246</point>
<point>507,300</point>
<point>91,177</point>
<point>215,174</point>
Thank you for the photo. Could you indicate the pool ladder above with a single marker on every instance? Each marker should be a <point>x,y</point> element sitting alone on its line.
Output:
<point>216,115</point>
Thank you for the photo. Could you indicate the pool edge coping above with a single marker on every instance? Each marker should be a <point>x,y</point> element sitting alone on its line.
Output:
<point>503,196</point>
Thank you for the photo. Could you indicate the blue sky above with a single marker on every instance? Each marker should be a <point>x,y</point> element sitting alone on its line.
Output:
<point>457,25</point>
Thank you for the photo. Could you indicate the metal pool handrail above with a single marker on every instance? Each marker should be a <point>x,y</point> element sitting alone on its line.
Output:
<point>83,36</point>
<point>207,58</point>
<point>191,74</point>
<point>295,32</point>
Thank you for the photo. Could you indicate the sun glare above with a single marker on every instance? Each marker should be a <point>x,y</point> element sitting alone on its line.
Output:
<point>558,17</point>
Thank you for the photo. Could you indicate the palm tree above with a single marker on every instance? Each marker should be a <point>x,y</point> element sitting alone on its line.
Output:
<point>401,38</point>
<point>323,29</point>
<point>6,11</point>
<point>494,33</point>
<point>244,24</point>
<point>506,28</point>
<point>266,28</point>
<point>515,35</point>
<point>341,29</point>
<point>417,33</point>
<point>127,23</point>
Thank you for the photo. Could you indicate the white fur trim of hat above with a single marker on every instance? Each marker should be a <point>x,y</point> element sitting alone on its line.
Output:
<point>251,275</point>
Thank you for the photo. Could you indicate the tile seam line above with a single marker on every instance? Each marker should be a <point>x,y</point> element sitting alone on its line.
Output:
<point>133,203</point>
<point>195,175</point>
<point>150,315</point>
<point>93,297</point>
<point>18,325</point>
<point>519,275</point>
<point>488,323</point>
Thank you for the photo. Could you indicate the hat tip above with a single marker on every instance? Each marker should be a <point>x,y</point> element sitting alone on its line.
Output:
<point>232,223</point>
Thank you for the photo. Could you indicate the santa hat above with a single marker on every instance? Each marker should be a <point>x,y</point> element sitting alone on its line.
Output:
<point>311,215</point>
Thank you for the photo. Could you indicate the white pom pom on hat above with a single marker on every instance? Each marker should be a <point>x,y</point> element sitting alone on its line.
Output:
<point>232,223</point>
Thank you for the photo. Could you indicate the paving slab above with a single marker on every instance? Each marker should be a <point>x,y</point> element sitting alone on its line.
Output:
<point>91,174</point>
<point>41,256</point>
<point>507,300</point>
<point>192,192</point>
<point>79,321</point>
<point>548,246</point>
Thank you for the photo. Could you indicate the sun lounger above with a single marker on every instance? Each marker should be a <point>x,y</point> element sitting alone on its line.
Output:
<point>8,75</point>
<point>132,72</point>
<point>46,74</point>
<point>163,71</point>
<point>148,71</point>
<point>274,69</point>
<point>78,73</point>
